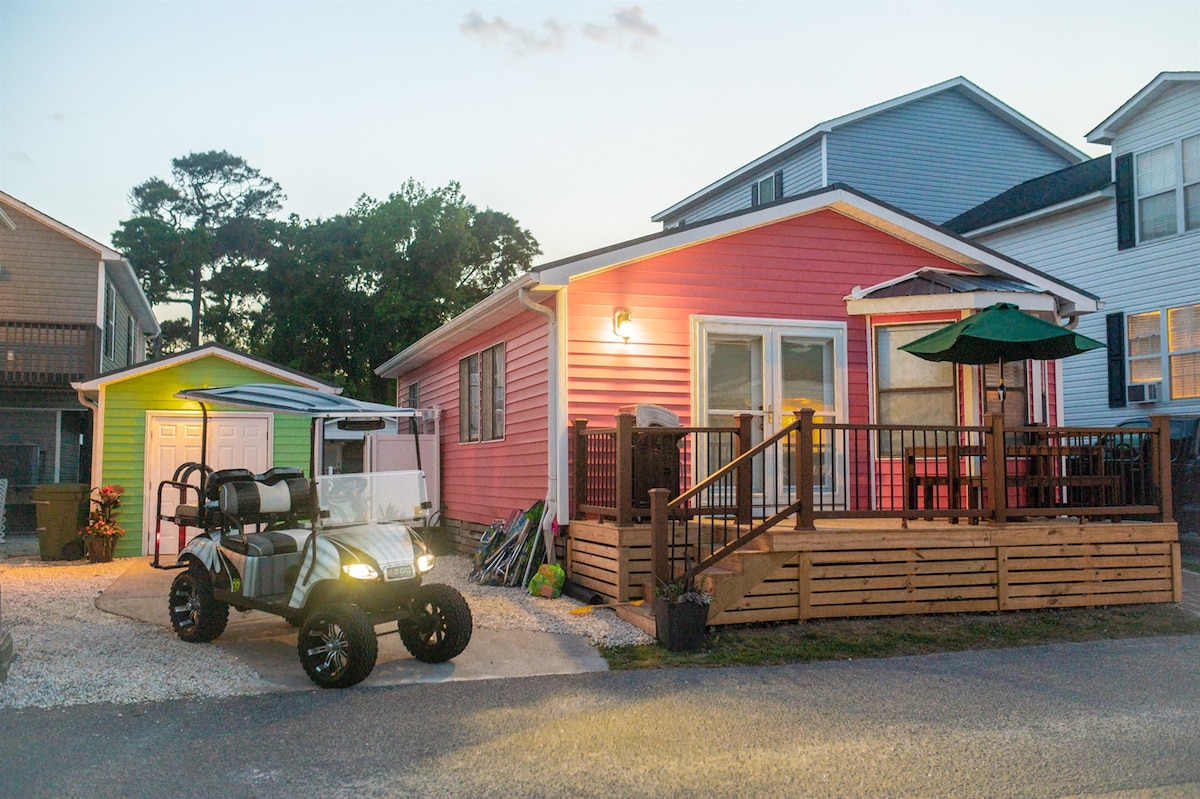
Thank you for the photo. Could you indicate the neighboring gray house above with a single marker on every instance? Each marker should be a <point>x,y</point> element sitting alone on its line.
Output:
<point>1127,228</point>
<point>70,308</point>
<point>933,153</point>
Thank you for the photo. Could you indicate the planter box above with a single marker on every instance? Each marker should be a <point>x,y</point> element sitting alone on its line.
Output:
<point>680,626</point>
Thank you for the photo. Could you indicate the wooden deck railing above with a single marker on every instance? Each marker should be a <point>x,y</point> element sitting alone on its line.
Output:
<point>42,354</point>
<point>720,490</point>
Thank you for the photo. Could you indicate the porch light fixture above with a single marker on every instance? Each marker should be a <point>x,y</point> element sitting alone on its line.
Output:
<point>622,324</point>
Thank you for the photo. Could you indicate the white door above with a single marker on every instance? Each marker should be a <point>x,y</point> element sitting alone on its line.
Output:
<point>235,440</point>
<point>771,370</point>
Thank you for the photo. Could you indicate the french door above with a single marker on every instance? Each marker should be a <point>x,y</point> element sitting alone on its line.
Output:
<point>770,370</point>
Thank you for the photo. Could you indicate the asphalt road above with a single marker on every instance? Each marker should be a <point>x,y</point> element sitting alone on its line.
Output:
<point>1114,719</point>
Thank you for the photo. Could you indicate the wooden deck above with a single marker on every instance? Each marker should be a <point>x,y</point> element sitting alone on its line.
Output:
<point>873,567</point>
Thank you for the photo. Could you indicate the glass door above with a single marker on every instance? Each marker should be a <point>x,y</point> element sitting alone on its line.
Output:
<point>771,371</point>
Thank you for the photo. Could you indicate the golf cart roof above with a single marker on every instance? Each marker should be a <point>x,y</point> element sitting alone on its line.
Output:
<point>282,398</point>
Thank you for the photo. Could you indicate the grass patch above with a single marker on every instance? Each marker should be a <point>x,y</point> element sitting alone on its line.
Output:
<point>843,639</point>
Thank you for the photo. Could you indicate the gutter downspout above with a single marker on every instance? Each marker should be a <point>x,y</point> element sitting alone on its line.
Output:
<point>551,418</point>
<point>97,456</point>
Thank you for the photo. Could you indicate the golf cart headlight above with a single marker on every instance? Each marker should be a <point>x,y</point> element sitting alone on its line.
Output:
<point>360,571</point>
<point>424,562</point>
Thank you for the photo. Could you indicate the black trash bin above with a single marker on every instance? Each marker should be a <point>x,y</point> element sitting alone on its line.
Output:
<point>655,455</point>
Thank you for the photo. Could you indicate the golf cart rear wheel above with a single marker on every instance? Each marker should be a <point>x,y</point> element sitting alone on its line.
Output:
<point>439,626</point>
<point>195,615</point>
<point>337,646</point>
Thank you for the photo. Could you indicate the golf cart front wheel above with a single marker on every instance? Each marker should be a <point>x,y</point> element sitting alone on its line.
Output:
<point>438,626</point>
<point>196,615</point>
<point>337,646</point>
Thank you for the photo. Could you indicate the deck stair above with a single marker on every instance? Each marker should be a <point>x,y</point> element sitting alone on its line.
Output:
<point>740,572</point>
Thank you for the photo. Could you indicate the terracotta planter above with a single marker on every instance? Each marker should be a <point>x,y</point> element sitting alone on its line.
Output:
<point>680,626</point>
<point>100,549</point>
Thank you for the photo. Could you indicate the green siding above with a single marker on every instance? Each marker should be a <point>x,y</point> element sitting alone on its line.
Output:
<point>125,406</point>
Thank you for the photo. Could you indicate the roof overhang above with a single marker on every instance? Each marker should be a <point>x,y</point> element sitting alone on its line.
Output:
<point>1107,131</point>
<point>208,350</point>
<point>118,269</point>
<point>814,134</point>
<point>476,319</point>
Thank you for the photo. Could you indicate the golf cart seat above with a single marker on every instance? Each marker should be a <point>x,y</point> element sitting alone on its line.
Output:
<point>252,504</point>
<point>189,514</point>
<point>276,473</point>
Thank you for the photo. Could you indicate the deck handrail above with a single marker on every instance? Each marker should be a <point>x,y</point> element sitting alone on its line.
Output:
<point>856,470</point>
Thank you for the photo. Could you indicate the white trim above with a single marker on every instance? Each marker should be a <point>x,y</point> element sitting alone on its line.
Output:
<point>475,319</point>
<point>978,95</point>
<point>967,300</point>
<point>1108,130</point>
<point>8,223</point>
<point>147,367</point>
<point>824,160</point>
<point>920,234</point>
<point>1107,193</point>
<point>98,438</point>
<point>105,253</point>
<point>101,291</point>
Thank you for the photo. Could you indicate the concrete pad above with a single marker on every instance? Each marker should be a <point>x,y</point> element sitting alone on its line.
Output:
<point>267,644</point>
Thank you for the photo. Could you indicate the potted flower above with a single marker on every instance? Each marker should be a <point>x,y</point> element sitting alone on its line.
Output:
<point>681,614</point>
<point>102,531</point>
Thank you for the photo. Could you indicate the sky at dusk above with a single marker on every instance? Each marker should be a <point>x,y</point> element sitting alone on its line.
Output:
<point>581,120</point>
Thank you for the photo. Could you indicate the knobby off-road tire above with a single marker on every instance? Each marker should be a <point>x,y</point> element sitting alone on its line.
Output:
<point>337,645</point>
<point>440,625</point>
<point>196,615</point>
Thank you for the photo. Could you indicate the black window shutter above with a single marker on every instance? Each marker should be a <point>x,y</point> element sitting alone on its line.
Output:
<point>1116,359</point>
<point>1126,231</point>
<point>778,184</point>
<point>754,194</point>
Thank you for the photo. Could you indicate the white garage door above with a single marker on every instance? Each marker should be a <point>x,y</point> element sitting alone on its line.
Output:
<point>235,441</point>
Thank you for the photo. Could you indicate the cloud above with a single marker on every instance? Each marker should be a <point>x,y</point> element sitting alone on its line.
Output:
<point>522,41</point>
<point>626,26</point>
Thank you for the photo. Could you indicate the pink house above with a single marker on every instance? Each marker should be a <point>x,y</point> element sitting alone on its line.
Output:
<point>801,303</point>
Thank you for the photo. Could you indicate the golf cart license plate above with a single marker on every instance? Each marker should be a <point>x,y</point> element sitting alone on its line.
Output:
<point>399,572</point>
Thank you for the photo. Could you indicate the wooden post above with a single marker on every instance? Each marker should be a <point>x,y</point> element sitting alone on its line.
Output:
<point>579,487</point>
<point>996,476</point>
<point>660,544</point>
<point>624,469</point>
<point>1162,466</point>
<point>745,472</point>
<point>804,470</point>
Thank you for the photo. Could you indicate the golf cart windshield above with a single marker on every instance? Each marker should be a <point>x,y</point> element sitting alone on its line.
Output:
<point>375,497</point>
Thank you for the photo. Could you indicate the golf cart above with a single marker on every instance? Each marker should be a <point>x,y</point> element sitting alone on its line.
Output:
<point>334,554</point>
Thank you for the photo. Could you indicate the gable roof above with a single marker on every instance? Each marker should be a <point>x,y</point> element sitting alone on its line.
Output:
<point>118,269</point>
<point>959,84</point>
<point>1106,131</point>
<point>205,351</point>
<point>1046,191</point>
<point>1070,300</point>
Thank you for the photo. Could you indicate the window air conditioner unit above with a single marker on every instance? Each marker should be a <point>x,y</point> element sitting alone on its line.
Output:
<point>1142,392</point>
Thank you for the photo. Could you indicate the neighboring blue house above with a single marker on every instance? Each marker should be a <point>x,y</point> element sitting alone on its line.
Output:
<point>933,153</point>
<point>1125,227</point>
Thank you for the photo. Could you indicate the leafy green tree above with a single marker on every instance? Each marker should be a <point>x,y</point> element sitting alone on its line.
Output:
<point>343,295</point>
<point>202,238</point>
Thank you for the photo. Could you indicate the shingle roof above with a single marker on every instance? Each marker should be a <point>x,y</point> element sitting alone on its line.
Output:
<point>1034,195</point>
<point>925,282</point>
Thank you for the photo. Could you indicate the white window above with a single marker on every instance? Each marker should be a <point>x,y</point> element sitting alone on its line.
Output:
<point>110,320</point>
<point>130,340</point>
<point>1183,342</point>
<point>1168,189</point>
<point>1145,347</point>
<point>1179,361</point>
<point>766,189</point>
<point>481,395</point>
<point>912,390</point>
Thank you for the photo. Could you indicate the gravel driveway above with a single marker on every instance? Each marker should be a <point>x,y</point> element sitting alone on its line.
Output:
<point>71,653</point>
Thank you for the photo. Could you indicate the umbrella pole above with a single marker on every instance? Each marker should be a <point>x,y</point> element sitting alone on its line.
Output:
<point>1000,390</point>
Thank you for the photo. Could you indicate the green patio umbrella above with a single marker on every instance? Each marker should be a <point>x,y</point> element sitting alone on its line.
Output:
<point>999,333</point>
